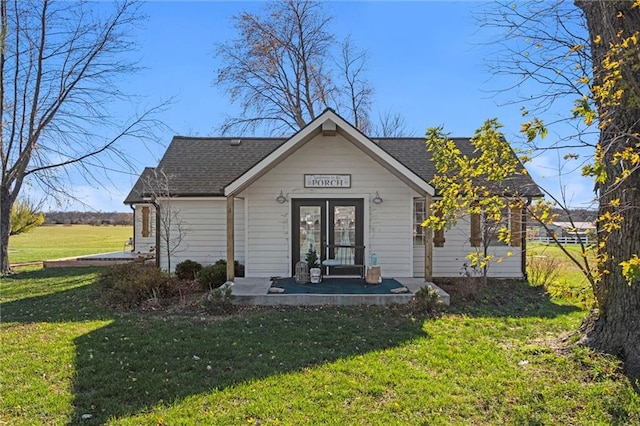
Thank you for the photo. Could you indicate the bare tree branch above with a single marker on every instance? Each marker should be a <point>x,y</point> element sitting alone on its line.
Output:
<point>60,63</point>
<point>352,65</point>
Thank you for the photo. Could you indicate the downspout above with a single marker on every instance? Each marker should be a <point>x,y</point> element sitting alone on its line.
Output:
<point>133,245</point>
<point>523,256</point>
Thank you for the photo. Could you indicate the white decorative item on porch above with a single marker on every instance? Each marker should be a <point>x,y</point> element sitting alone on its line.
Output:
<point>316,275</point>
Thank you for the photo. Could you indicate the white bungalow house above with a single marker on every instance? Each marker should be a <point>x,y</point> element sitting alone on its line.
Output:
<point>265,201</point>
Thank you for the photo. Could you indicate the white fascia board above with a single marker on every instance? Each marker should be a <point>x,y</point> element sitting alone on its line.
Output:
<point>383,157</point>
<point>208,198</point>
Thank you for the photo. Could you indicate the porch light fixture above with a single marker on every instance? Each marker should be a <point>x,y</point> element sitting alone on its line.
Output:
<point>281,198</point>
<point>377,199</point>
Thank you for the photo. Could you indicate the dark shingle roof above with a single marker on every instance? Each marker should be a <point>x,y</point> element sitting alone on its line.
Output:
<point>205,166</point>
<point>412,152</point>
<point>136,193</point>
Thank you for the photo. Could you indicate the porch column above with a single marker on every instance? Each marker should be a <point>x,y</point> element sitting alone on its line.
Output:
<point>428,242</point>
<point>230,239</point>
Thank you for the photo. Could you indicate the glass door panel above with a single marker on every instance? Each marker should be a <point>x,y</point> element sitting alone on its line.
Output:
<point>310,219</point>
<point>346,236</point>
<point>308,229</point>
<point>334,228</point>
<point>344,231</point>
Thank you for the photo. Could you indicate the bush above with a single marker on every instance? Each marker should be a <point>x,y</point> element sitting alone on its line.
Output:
<point>188,270</point>
<point>238,268</point>
<point>426,301</point>
<point>219,300</point>
<point>129,284</point>
<point>542,270</point>
<point>213,276</point>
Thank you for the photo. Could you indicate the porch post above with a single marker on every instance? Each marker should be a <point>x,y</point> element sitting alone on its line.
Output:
<point>230,240</point>
<point>428,242</point>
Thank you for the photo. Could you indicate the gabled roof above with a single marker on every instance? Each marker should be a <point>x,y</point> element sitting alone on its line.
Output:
<point>136,194</point>
<point>331,123</point>
<point>413,153</point>
<point>202,167</point>
<point>199,167</point>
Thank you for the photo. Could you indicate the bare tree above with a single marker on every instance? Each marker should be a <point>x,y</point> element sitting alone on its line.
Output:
<point>59,65</point>
<point>352,65</point>
<point>391,125</point>
<point>277,69</point>
<point>284,69</point>
<point>591,54</point>
<point>171,227</point>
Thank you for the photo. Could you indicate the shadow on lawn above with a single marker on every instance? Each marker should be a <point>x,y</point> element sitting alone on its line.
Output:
<point>503,298</point>
<point>141,360</point>
<point>73,304</point>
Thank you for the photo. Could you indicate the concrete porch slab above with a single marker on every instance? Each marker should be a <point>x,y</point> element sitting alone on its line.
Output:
<point>255,291</point>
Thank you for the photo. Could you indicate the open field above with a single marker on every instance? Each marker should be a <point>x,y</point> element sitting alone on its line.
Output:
<point>59,241</point>
<point>569,282</point>
<point>494,359</point>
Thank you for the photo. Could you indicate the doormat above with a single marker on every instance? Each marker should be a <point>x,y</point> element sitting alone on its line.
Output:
<point>338,286</point>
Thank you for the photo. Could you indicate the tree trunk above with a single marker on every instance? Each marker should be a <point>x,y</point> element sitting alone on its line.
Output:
<point>615,326</point>
<point>5,226</point>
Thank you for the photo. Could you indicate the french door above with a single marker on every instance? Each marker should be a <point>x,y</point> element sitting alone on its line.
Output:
<point>324,224</point>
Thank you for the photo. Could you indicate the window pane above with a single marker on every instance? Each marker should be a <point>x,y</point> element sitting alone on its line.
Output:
<point>310,229</point>
<point>344,228</point>
<point>418,218</point>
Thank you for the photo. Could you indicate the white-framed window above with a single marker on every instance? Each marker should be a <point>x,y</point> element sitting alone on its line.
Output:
<point>419,232</point>
<point>419,209</point>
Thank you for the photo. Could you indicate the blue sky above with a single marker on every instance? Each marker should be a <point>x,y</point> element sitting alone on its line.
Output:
<point>427,62</point>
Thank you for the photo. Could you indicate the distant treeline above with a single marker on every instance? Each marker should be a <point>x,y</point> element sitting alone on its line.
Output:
<point>88,218</point>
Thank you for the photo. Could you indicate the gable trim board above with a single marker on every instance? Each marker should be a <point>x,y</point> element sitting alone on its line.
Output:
<point>226,191</point>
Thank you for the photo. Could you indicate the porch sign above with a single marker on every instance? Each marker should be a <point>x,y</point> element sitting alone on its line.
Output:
<point>327,181</point>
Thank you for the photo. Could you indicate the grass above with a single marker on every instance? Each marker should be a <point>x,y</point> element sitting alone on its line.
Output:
<point>492,359</point>
<point>60,241</point>
<point>570,283</point>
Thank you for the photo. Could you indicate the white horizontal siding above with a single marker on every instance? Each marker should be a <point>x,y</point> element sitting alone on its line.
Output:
<point>204,231</point>
<point>449,261</point>
<point>142,244</point>
<point>386,231</point>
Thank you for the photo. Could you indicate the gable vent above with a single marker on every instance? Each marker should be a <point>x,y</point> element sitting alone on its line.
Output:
<point>328,128</point>
<point>236,142</point>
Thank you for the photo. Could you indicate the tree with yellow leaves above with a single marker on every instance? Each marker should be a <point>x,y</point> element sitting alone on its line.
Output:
<point>590,51</point>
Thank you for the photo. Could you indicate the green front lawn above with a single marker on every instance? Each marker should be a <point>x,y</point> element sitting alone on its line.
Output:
<point>60,241</point>
<point>493,360</point>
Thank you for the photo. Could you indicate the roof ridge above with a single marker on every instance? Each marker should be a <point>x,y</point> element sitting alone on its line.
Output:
<point>228,138</point>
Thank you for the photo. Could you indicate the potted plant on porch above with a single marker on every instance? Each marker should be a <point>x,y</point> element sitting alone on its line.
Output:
<point>314,265</point>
